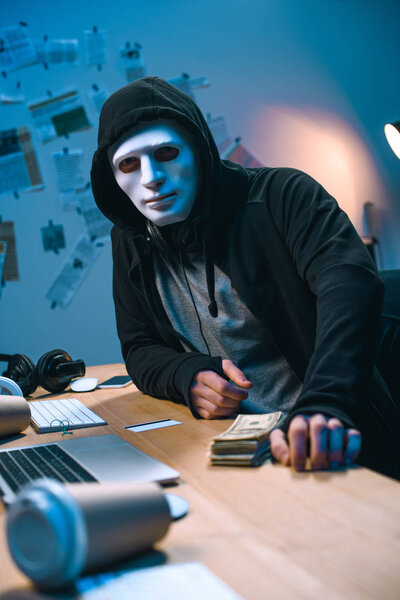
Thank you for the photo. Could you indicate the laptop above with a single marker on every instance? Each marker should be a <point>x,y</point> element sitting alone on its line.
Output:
<point>100,458</point>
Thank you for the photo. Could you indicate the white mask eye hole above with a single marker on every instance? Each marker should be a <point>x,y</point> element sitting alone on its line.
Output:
<point>129,164</point>
<point>166,153</point>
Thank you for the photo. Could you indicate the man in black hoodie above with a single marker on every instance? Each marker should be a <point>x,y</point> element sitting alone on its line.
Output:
<point>240,289</point>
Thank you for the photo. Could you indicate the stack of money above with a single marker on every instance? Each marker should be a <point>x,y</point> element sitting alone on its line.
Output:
<point>246,442</point>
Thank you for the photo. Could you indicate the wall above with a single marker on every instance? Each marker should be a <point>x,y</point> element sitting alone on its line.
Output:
<point>308,84</point>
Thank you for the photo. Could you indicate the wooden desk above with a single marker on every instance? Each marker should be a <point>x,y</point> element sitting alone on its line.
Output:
<point>268,532</point>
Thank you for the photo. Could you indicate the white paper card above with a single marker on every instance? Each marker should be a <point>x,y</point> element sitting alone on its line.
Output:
<point>185,581</point>
<point>153,425</point>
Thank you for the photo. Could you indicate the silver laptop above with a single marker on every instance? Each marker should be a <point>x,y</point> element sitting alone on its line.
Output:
<point>97,458</point>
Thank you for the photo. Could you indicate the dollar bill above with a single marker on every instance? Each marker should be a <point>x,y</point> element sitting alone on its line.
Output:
<point>246,442</point>
<point>250,427</point>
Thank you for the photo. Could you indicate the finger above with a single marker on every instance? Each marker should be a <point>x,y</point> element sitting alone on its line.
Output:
<point>297,436</point>
<point>203,391</point>
<point>235,374</point>
<point>220,385</point>
<point>213,412</point>
<point>318,441</point>
<point>335,443</point>
<point>353,442</point>
<point>279,446</point>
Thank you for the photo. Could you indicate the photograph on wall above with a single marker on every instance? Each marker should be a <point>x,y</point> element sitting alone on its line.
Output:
<point>19,169</point>
<point>59,115</point>
<point>10,265</point>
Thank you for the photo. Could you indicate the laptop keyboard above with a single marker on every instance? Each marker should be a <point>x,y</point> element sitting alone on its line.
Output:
<point>18,467</point>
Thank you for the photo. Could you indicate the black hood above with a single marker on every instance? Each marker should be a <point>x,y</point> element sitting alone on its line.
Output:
<point>148,99</point>
<point>222,183</point>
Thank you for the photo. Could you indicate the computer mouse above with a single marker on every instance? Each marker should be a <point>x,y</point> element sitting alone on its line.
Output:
<point>84,384</point>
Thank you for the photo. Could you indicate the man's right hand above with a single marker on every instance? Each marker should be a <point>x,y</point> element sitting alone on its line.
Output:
<point>213,397</point>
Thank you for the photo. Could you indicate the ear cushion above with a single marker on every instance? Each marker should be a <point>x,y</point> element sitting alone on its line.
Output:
<point>22,370</point>
<point>47,371</point>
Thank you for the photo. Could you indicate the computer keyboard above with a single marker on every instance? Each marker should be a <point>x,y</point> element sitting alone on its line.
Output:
<point>19,467</point>
<point>56,415</point>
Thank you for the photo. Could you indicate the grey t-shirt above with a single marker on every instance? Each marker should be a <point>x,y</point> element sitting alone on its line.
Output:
<point>235,334</point>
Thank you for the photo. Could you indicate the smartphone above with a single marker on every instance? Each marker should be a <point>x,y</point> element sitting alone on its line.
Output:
<point>119,381</point>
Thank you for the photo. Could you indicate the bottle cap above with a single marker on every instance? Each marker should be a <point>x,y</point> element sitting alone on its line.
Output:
<point>47,534</point>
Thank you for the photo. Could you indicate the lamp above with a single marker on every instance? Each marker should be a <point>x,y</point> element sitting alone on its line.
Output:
<point>392,132</point>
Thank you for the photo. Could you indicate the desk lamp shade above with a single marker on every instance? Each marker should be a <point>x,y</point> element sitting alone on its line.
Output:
<point>392,132</point>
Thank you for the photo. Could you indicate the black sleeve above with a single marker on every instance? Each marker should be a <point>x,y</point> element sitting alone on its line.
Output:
<point>332,259</point>
<point>156,368</point>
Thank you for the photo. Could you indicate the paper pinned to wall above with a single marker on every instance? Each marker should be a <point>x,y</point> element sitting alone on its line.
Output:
<point>10,267</point>
<point>70,176</point>
<point>97,226</point>
<point>19,169</point>
<point>53,237</point>
<point>3,251</point>
<point>50,52</point>
<point>59,115</point>
<point>98,96</point>
<point>132,61</point>
<point>219,130</point>
<point>17,51</point>
<point>73,272</point>
<point>187,84</point>
<point>11,97</point>
<point>238,154</point>
<point>95,46</point>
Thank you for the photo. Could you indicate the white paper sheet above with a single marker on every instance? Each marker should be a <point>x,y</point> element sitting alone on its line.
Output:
<point>70,176</point>
<point>95,46</point>
<point>72,272</point>
<point>132,61</point>
<point>97,226</point>
<point>98,96</point>
<point>3,251</point>
<point>52,52</point>
<point>17,49</point>
<point>219,130</point>
<point>185,581</point>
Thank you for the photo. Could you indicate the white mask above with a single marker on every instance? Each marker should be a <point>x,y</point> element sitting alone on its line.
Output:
<point>156,167</point>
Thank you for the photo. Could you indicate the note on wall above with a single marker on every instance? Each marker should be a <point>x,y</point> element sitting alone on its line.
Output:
<point>53,237</point>
<point>98,95</point>
<point>70,176</point>
<point>16,48</point>
<point>59,115</point>
<point>95,46</point>
<point>19,169</point>
<point>73,272</point>
<point>97,226</point>
<point>50,52</point>
<point>3,250</point>
<point>238,154</point>
<point>219,130</point>
<point>10,267</point>
<point>132,61</point>
<point>188,84</point>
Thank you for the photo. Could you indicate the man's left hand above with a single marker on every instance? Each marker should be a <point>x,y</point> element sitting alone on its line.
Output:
<point>326,442</point>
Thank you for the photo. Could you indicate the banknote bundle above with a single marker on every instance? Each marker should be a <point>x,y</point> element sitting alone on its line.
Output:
<point>246,442</point>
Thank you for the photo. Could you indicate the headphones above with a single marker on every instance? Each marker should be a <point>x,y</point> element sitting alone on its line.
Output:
<point>54,371</point>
